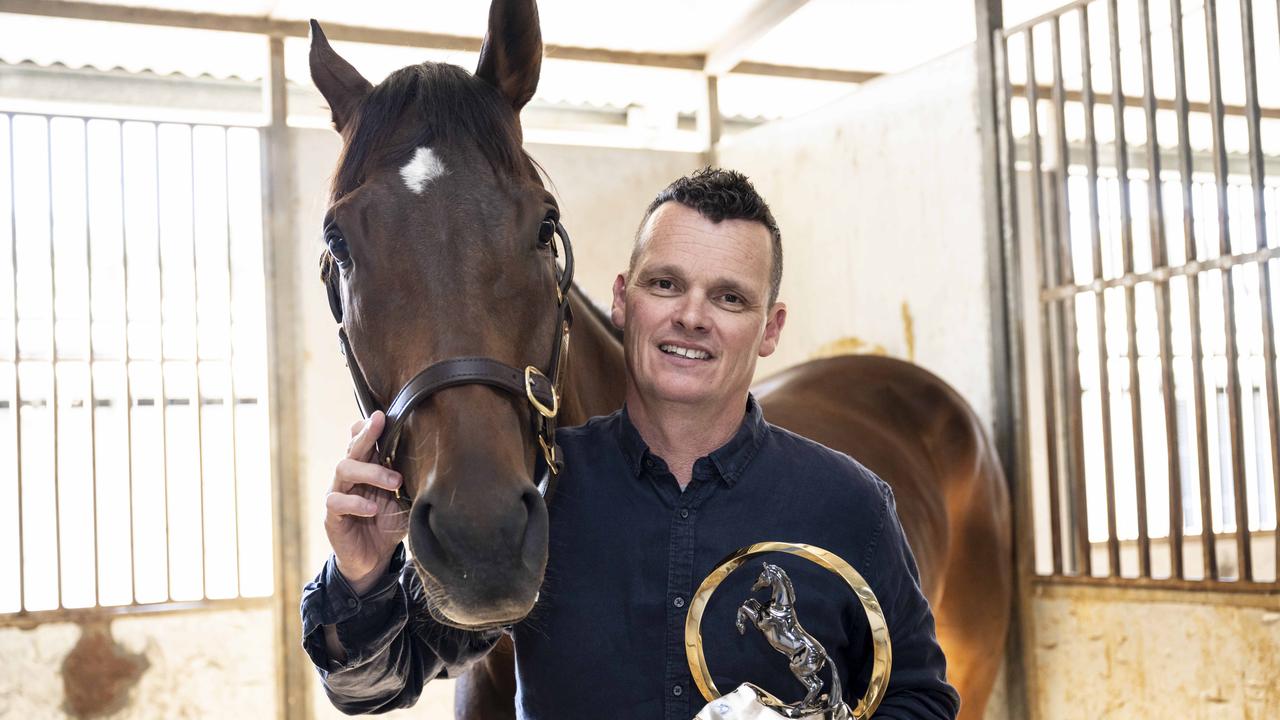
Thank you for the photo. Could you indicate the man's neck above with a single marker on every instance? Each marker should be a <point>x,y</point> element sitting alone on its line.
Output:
<point>680,434</point>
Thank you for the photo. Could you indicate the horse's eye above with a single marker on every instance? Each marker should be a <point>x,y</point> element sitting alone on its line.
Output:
<point>546,232</point>
<point>338,247</point>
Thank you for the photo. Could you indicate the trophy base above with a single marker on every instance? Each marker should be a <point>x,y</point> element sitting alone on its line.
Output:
<point>749,702</point>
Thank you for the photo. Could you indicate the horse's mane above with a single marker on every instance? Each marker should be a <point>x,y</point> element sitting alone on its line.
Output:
<point>447,102</point>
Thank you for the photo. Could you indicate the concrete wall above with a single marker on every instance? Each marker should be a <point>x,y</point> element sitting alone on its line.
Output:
<point>880,203</point>
<point>197,665</point>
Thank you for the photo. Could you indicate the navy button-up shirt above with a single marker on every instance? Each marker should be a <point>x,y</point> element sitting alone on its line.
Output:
<point>628,548</point>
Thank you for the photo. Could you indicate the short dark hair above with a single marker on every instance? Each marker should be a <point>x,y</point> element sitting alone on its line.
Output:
<point>719,194</point>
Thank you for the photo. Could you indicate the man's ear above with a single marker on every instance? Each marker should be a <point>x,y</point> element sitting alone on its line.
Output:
<point>511,56</point>
<point>773,329</point>
<point>342,87</point>
<point>618,312</point>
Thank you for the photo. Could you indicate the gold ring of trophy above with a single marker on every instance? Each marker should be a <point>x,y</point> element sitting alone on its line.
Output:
<point>758,702</point>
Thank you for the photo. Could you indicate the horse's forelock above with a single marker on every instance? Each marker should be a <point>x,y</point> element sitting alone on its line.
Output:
<point>447,104</point>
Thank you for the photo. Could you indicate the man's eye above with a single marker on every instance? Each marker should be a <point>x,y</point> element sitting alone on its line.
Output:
<point>664,284</point>
<point>732,299</point>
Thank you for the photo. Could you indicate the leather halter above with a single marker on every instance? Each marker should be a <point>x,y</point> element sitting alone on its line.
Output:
<point>540,389</point>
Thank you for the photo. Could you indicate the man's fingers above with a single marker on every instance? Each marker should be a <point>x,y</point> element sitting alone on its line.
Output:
<point>356,427</point>
<point>342,504</point>
<point>362,445</point>
<point>350,473</point>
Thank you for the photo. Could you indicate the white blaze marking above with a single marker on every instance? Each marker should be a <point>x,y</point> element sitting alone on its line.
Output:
<point>422,169</point>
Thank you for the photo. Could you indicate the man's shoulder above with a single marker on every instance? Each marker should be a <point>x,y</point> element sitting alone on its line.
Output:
<point>828,470</point>
<point>591,431</point>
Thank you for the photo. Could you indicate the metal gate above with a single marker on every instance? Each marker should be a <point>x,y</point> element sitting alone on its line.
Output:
<point>1137,158</point>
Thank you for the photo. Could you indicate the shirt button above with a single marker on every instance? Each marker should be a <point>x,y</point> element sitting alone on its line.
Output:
<point>352,602</point>
<point>684,513</point>
<point>677,691</point>
<point>648,463</point>
<point>678,602</point>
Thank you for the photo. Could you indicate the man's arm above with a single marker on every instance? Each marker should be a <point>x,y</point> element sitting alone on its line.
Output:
<point>388,645</point>
<point>918,687</point>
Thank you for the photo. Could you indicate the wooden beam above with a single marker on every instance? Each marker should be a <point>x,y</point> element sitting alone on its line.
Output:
<point>733,46</point>
<point>280,260</point>
<point>262,25</point>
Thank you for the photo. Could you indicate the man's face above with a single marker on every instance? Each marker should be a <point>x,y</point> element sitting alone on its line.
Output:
<point>695,308</point>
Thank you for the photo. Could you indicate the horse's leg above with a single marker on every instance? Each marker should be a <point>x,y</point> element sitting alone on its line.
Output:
<point>808,675</point>
<point>488,690</point>
<point>750,610</point>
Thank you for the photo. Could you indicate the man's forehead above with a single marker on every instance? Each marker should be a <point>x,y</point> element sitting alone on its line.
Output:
<point>675,230</point>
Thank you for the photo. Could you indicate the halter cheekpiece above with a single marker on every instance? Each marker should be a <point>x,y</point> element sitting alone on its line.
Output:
<point>540,389</point>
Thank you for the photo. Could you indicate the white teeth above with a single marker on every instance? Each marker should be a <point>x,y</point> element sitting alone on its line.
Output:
<point>685,352</point>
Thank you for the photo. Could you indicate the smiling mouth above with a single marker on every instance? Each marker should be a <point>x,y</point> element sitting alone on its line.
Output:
<point>685,352</point>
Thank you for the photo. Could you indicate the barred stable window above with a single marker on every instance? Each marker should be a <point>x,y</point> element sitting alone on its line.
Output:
<point>1136,160</point>
<point>133,431</point>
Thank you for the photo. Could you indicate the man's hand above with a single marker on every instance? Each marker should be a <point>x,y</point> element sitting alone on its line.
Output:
<point>362,518</point>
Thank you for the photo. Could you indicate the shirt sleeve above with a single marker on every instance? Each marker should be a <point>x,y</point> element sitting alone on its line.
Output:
<point>393,645</point>
<point>918,687</point>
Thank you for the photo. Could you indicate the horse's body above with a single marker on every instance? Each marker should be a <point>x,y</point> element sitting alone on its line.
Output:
<point>907,426</point>
<point>439,248</point>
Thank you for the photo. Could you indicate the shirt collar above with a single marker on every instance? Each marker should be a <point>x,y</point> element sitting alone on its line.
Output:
<point>729,460</point>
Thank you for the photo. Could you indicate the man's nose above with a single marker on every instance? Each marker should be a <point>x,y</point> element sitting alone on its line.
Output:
<point>692,313</point>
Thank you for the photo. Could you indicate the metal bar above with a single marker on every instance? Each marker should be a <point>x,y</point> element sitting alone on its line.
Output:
<point>1045,17</point>
<point>1208,542</point>
<point>1074,96</point>
<point>1012,433</point>
<point>1160,258</point>
<point>1044,264</point>
<point>1235,419</point>
<point>17,382</point>
<point>1100,321</point>
<point>1257,177</point>
<point>231,366</point>
<point>53,364</point>
<point>1264,592</point>
<point>164,405</point>
<point>198,408</point>
<point>1130,302</point>
<point>93,397</point>
<point>128,379</point>
<point>28,620</point>
<point>1190,270</point>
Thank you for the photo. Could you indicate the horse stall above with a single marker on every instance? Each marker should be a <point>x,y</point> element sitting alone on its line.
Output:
<point>966,187</point>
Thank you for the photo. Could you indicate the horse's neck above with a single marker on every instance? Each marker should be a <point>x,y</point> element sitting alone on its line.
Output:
<point>595,373</point>
<point>783,594</point>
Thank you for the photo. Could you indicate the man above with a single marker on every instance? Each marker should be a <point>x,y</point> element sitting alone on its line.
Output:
<point>653,497</point>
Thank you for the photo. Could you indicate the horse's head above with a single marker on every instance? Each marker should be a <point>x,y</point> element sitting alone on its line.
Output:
<point>769,574</point>
<point>440,245</point>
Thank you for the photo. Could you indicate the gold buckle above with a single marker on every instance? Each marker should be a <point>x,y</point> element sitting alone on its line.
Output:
<point>543,410</point>
<point>549,454</point>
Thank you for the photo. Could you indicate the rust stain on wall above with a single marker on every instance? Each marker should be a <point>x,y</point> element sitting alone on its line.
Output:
<point>909,331</point>
<point>98,673</point>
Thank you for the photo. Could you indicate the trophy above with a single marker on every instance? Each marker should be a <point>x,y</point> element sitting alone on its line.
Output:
<point>777,621</point>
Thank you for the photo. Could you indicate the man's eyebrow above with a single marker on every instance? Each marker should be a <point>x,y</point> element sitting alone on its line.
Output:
<point>733,285</point>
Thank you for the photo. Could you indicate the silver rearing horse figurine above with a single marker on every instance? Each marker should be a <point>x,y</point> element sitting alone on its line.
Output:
<point>777,622</point>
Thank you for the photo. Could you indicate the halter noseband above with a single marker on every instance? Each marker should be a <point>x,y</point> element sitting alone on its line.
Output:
<point>541,390</point>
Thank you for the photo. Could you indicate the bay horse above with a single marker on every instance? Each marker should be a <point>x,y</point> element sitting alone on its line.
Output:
<point>439,246</point>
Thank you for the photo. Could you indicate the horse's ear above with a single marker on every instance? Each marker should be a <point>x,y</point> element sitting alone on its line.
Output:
<point>340,84</point>
<point>511,56</point>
